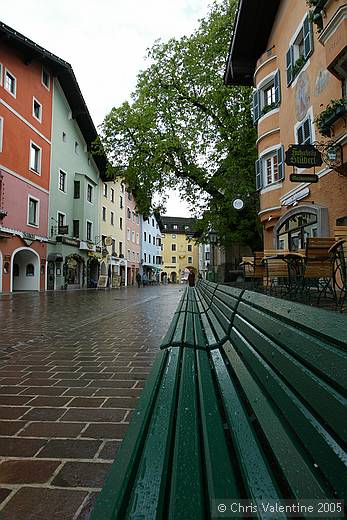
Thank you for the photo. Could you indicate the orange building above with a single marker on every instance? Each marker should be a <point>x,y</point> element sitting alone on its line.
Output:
<point>25,148</point>
<point>299,71</point>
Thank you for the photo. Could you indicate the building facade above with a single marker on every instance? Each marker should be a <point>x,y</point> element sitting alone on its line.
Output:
<point>25,147</point>
<point>299,72</point>
<point>74,224</point>
<point>151,248</point>
<point>112,218</point>
<point>179,249</point>
<point>132,238</point>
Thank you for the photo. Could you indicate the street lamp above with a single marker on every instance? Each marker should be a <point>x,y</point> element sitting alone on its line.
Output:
<point>213,238</point>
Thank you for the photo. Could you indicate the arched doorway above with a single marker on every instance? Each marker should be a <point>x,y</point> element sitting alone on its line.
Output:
<point>173,277</point>
<point>74,271</point>
<point>25,269</point>
<point>92,272</point>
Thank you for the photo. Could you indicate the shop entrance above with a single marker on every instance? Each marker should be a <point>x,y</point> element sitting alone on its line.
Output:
<point>25,270</point>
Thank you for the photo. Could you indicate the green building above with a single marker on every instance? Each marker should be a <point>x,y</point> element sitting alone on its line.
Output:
<point>74,200</point>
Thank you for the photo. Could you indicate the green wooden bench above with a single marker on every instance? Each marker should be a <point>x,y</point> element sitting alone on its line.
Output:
<point>246,399</point>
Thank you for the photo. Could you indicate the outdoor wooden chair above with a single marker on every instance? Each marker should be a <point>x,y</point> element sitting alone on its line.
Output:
<point>317,267</point>
<point>277,271</point>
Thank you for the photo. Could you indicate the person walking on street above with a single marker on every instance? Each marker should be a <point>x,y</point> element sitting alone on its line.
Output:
<point>138,279</point>
<point>191,278</point>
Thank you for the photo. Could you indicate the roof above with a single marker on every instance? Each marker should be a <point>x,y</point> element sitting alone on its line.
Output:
<point>67,79</point>
<point>251,32</point>
<point>177,225</point>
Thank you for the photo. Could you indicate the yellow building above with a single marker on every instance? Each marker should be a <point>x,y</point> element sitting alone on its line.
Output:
<point>112,226</point>
<point>179,253</point>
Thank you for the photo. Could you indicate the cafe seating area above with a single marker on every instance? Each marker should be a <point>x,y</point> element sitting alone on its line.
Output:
<point>315,275</point>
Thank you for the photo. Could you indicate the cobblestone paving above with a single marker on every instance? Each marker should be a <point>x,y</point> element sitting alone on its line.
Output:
<point>72,366</point>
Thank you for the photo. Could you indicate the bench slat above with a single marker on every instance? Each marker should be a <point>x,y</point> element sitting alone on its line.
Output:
<point>220,475</point>
<point>113,498</point>
<point>189,337</point>
<point>179,331</point>
<point>327,403</point>
<point>325,451</point>
<point>187,493</point>
<point>256,476</point>
<point>148,491</point>
<point>211,340</point>
<point>166,342</point>
<point>297,470</point>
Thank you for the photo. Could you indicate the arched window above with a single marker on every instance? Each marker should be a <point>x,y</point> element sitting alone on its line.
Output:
<point>30,270</point>
<point>15,270</point>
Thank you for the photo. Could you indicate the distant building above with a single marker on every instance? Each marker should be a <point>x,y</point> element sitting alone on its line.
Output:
<point>297,68</point>
<point>132,238</point>
<point>180,251</point>
<point>151,248</point>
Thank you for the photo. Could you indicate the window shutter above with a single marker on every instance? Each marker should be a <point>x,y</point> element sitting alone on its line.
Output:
<point>300,134</point>
<point>307,131</point>
<point>308,37</point>
<point>256,106</point>
<point>289,64</point>
<point>258,174</point>
<point>277,84</point>
<point>280,163</point>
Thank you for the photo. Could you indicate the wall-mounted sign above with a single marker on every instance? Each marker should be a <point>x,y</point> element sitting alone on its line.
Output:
<point>63,230</point>
<point>102,282</point>
<point>303,156</point>
<point>29,236</point>
<point>303,177</point>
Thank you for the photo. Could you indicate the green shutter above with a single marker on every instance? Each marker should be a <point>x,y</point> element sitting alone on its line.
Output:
<point>258,174</point>
<point>277,84</point>
<point>308,37</point>
<point>289,64</point>
<point>256,105</point>
<point>280,163</point>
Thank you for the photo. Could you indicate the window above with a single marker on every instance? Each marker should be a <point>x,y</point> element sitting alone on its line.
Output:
<point>112,195</point>
<point>128,213</point>
<point>122,188</point>
<point>30,270</point>
<point>153,240</point>
<point>35,158</point>
<point>89,193</point>
<point>77,147</point>
<point>1,132</point>
<point>190,248</point>
<point>303,132</point>
<point>129,254</point>
<point>37,110</point>
<point>128,234</point>
<point>133,236</point>
<point>152,222</point>
<point>33,212</point>
<point>104,189</point>
<point>149,258</point>
<point>137,218</point>
<point>10,83</point>
<point>133,216</point>
<point>63,137</point>
<point>113,246</point>
<point>130,197</point>
<point>173,259</point>
<point>267,97</point>
<point>76,189</point>
<point>340,70</point>
<point>294,231</point>
<point>145,257</point>
<point>190,259</point>
<point>173,247</point>
<point>89,230</point>
<point>270,168</point>
<point>120,248</point>
<point>120,223</point>
<point>62,181</point>
<point>175,226</point>
<point>138,258</point>
<point>45,78</point>
<point>149,238</point>
<point>60,220</point>
<point>76,228</point>
<point>145,236</point>
<point>112,218</point>
<point>137,238</point>
<point>121,202</point>
<point>300,50</point>
<point>103,212</point>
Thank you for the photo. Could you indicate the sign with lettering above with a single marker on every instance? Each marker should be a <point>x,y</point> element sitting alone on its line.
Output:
<point>303,177</point>
<point>303,156</point>
<point>63,230</point>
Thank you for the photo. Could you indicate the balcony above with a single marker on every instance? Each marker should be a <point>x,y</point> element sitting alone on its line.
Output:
<point>333,112</point>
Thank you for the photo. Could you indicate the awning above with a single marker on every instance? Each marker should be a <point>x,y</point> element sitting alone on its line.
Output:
<point>55,257</point>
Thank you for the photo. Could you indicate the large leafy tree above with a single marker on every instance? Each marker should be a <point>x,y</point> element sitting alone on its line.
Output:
<point>185,129</point>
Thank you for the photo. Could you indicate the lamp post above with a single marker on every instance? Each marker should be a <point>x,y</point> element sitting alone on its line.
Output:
<point>213,237</point>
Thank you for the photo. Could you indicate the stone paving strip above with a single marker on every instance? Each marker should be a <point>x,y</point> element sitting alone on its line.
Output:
<point>70,378</point>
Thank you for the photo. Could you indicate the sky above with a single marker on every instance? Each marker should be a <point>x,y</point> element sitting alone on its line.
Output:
<point>105,42</point>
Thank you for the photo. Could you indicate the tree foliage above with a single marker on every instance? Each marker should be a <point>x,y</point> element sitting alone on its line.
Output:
<point>184,128</point>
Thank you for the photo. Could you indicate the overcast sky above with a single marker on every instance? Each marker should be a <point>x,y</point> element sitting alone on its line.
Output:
<point>105,41</point>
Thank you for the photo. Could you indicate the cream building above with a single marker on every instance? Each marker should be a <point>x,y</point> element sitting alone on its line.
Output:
<point>179,253</point>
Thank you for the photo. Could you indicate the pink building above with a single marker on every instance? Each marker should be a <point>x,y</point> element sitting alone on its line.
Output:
<point>133,238</point>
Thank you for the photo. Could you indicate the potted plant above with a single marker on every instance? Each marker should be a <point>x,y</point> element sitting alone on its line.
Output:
<point>334,110</point>
<point>300,62</point>
<point>268,108</point>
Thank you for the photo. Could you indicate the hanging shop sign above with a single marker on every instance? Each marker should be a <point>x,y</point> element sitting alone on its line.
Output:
<point>63,230</point>
<point>303,156</point>
<point>303,177</point>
